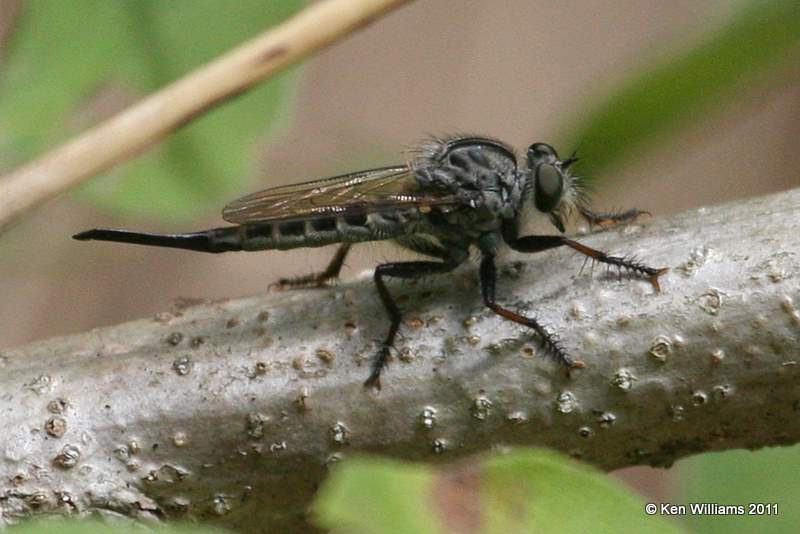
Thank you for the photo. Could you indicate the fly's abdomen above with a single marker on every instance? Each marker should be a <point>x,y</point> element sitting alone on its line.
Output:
<point>318,232</point>
<point>278,235</point>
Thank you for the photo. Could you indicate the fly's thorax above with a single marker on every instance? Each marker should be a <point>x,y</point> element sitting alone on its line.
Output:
<point>480,169</point>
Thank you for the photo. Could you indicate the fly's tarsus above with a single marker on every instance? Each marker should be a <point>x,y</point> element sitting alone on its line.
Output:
<point>634,266</point>
<point>374,379</point>
<point>551,343</point>
<point>629,264</point>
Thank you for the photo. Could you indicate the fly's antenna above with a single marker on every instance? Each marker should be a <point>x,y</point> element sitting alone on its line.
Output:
<point>570,160</point>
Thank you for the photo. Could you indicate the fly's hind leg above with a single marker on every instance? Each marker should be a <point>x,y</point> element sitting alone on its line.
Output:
<point>319,279</point>
<point>488,276</point>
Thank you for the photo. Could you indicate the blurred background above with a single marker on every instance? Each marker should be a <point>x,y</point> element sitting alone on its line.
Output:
<point>518,70</point>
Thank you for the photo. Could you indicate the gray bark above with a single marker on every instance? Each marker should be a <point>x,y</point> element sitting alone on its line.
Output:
<point>232,411</point>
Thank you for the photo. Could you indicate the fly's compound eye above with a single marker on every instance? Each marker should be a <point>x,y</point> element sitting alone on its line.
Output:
<point>549,185</point>
<point>541,153</point>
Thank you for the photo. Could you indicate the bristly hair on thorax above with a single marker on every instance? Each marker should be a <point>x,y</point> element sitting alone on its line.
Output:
<point>432,148</point>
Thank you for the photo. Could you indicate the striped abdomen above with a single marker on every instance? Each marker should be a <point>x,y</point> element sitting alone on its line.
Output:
<point>317,232</point>
<point>280,235</point>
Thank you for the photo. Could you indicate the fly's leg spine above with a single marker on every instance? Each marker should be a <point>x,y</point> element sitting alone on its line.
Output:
<point>621,262</point>
<point>538,243</point>
<point>319,279</point>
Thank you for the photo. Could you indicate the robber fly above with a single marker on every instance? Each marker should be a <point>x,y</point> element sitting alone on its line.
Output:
<point>454,194</point>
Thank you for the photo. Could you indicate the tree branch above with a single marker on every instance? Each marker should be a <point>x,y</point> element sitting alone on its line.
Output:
<point>233,409</point>
<point>132,131</point>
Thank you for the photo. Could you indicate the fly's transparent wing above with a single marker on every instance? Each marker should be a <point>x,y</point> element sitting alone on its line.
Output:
<point>357,193</point>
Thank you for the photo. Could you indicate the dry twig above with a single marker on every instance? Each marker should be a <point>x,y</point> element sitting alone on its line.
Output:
<point>233,410</point>
<point>132,131</point>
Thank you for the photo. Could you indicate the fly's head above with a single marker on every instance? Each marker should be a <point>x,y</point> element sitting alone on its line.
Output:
<point>551,187</point>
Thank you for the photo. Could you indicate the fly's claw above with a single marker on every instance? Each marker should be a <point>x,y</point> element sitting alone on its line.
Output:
<point>381,361</point>
<point>655,276</point>
<point>374,379</point>
<point>651,273</point>
<point>552,344</point>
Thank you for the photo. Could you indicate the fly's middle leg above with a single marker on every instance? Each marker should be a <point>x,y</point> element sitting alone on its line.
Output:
<point>407,270</point>
<point>319,279</point>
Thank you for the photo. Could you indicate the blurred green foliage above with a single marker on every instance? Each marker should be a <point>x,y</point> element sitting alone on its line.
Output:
<point>64,57</point>
<point>660,99</point>
<point>768,476</point>
<point>377,495</point>
<point>525,491</point>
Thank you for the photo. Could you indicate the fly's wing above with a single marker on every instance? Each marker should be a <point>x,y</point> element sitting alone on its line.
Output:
<point>358,193</point>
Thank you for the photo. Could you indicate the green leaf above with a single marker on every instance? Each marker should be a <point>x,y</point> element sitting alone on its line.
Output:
<point>767,476</point>
<point>374,495</point>
<point>62,59</point>
<point>531,491</point>
<point>541,491</point>
<point>762,36</point>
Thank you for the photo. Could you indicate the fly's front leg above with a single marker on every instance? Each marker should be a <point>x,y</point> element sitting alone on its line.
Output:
<point>537,243</point>
<point>488,275</point>
<point>605,220</point>
<point>407,270</point>
<point>319,279</point>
